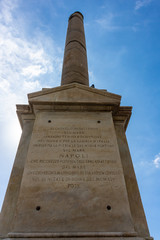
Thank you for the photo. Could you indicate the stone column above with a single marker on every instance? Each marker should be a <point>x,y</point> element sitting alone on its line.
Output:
<point>75,67</point>
<point>10,201</point>
<point>136,206</point>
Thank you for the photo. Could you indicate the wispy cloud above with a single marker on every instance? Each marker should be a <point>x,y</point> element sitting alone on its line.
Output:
<point>142,3</point>
<point>107,22</point>
<point>26,61</point>
<point>23,62</point>
<point>156,161</point>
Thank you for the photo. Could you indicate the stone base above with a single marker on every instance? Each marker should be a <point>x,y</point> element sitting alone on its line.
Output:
<point>82,238</point>
<point>79,235</point>
<point>75,176</point>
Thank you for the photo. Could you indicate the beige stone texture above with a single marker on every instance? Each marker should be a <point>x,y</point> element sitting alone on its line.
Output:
<point>131,183</point>
<point>73,173</point>
<point>75,238</point>
<point>10,201</point>
<point>74,93</point>
<point>78,176</point>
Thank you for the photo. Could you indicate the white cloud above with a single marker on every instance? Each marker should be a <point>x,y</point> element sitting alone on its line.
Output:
<point>142,3</point>
<point>156,161</point>
<point>30,85</point>
<point>4,85</point>
<point>7,7</point>
<point>33,70</point>
<point>25,63</point>
<point>107,22</point>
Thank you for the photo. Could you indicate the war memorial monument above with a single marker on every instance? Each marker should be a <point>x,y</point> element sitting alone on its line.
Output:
<point>73,176</point>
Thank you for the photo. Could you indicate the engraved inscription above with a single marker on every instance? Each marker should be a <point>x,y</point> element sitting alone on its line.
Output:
<point>73,155</point>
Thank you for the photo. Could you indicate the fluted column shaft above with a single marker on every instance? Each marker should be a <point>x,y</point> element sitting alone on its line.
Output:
<point>75,67</point>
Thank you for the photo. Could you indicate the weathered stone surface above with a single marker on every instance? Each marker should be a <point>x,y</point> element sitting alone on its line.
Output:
<point>75,67</point>
<point>80,238</point>
<point>131,183</point>
<point>75,169</point>
<point>10,201</point>
<point>74,174</point>
<point>74,93</point>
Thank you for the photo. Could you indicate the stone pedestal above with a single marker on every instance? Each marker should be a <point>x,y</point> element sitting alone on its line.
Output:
<point>75,177</point>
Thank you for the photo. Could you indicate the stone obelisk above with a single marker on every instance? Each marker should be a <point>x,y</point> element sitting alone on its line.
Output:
<point>73,175</point>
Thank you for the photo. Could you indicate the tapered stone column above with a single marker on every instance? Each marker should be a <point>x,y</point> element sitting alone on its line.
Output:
<point>75,67</point>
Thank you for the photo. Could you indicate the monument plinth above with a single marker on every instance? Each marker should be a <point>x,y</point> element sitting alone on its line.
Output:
<point>73,175</point>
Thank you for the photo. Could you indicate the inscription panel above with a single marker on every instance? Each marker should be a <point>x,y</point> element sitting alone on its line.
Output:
<point>71,153</point>
<point>74,174</point>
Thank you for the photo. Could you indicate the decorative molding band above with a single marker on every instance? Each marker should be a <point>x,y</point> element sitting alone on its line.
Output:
<point>71,234</point>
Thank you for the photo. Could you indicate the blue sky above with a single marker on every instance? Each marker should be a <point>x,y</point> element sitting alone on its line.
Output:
<point>123,47</point>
